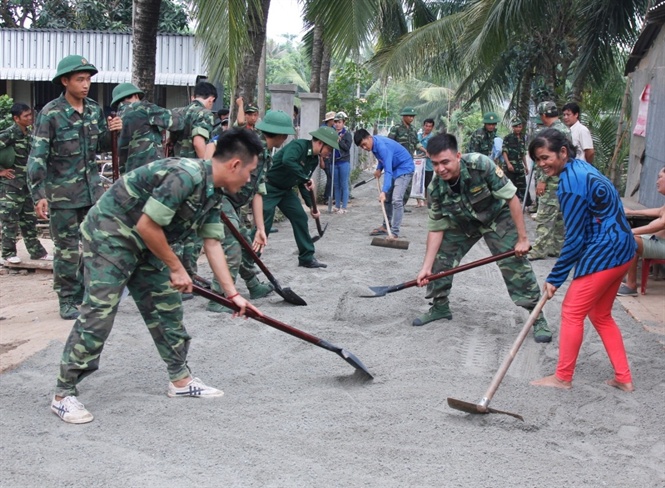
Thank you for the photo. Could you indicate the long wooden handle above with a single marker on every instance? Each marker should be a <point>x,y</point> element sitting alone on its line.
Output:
<point>318,222</point>
<point>115,162</point>
<point>383,208</point>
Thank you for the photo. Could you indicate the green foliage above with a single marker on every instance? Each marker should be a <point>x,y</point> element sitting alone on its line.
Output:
<point>286,63</point>
<point>5,115</point>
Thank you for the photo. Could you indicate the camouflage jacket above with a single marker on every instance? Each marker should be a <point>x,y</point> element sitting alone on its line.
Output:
<point>407,136</point>
<point>293,165</point>
<point>140,140</point>
<point>257,182</point>
<point>198,122</point>
<point>552,181</point>
<point>484,190</point>
<point>14,136</point>
<point>514,148</point>
<point>178,194</point>
<point>62,166</point>
<point>481,142</point>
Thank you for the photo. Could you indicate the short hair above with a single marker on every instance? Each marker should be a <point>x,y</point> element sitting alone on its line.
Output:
<point>204,90</point>
<point>222,112</point>
<point>442,142</point>
<point>572,106</point>
<point>551,139</point>
<point>360,135</point>
<point>19,108</point>
<point>238,142</point>
<point>428,121</point>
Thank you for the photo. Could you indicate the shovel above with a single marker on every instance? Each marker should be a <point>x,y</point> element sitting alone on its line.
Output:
<point>390,242</point>
<point>318,222</point>
<point>363,182</point>
<point>380,291</point>
<point>350,358</point>
<point>286,293</point>
<point>483,405</point>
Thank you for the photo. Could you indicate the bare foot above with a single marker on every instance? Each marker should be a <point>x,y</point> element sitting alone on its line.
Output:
<point>621,386</point>
<point>553,382</point>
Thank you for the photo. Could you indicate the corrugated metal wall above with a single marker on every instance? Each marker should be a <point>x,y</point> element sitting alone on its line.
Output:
<point>654,156</point>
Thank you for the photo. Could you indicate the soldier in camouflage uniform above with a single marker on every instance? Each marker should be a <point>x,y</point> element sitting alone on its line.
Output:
<point>472,198</point>
<point>248,115</point>
<point>293,166</point>
<point>482,140</point>
<point>140,141</point>
<point>550,229</point>
<point>63,172</point>
<point>407,135</point>
<point>514,159</point>
<point>191,143</point>
<point>275,128</point>
<point>16,208</point>
<point>126,238</point>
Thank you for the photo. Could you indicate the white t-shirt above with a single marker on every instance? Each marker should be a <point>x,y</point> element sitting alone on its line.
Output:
<point>581,139</point>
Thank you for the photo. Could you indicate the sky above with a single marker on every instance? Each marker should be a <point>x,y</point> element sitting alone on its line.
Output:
<point>284,18</point>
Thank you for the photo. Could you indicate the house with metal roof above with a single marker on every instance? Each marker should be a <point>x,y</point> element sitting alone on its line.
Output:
<point>646,70</point>
<point>29,58</point>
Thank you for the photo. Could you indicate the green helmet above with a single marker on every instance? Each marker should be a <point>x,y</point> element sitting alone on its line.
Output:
<point>548,109</point>
<point>276,122</point>
<point>408,111</point>
<point>124,90</point>
<point>327,135</point>
<point>490,118</point>
<point>7,157</point>
<point>72,64</point>
<point>515,121</point>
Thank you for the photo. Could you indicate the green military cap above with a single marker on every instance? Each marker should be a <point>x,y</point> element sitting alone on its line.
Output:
<point>251,109</point>
<point>548,109</point>
<point>408,111</point>
<point>72,64</point>
<point>490,118</point>
<point>276,122</point>
<point>341,116</point>
<point>124,90</point>
<point>327,135</point>
<point>515,121</point>
<point>7,157</point>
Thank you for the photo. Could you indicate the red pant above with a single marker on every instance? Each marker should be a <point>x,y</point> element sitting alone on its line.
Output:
<point>593,296</point>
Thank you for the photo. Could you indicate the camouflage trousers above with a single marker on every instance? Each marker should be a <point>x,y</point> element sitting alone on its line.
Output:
<point>17,212</point>
<point>67,264</point>
<point>517,272</point>
<point>148,281</point>
<point>237,259</point>
<point>550,229</point>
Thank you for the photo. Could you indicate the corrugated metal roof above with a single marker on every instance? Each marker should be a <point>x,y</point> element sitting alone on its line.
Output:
<point>654,20</point>
<point>33,55</point>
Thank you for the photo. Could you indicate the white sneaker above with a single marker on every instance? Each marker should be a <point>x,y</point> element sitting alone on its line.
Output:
<point>195,389</point>
<point>13,260</point>
<point>48,257</point>
<point>70,410</point>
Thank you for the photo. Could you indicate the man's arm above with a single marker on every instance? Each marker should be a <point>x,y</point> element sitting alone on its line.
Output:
<point>653,227</point>
<point>522,246</point>
<point>589,154</point>
<point>200,143</point>
<point>240,118</point>
<point>645,212</point>
<point>434,240</point>
<point>260,238</point>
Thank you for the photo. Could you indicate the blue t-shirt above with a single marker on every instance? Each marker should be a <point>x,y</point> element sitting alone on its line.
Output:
<point>598,236</point>
<point>394,160</point>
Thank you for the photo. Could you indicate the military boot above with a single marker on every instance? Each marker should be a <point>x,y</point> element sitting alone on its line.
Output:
<point>217,308</point>
<point>68,310</point>
<point>541,333</point>
<point>257,289</point>
<point>436,312</point>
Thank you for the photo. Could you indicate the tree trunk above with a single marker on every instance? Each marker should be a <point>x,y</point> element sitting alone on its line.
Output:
<point>323,83</point>
<point>248,74</point>
<point>144,26</point>
<point>524,96</point>
<point>317,57</point>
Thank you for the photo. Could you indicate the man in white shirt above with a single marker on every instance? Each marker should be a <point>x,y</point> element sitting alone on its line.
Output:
<point>581,135</point>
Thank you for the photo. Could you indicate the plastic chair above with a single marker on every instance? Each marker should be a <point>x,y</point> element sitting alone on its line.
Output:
<point>646,265</point>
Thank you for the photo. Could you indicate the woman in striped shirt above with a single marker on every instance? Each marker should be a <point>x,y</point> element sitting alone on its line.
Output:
<point>599,244</point>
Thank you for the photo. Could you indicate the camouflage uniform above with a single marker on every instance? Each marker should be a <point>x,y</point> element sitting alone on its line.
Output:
<point>62,168</point>
<point>16,207</point>
<point>482,141</point>
<point>479,210</point>
<point>198,121</point>
<point>236,209</point>
<point>178,194</point>
<point>550,229</point>
<point>292,165</point>
<point>514,147</point>
<point>140,141</point>
<point>407,136</point>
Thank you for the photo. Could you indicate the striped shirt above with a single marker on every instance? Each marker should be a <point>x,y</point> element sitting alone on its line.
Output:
<point>598,236</point>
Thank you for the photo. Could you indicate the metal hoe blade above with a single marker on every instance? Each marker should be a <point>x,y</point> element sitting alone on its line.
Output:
<point>476,408</point>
